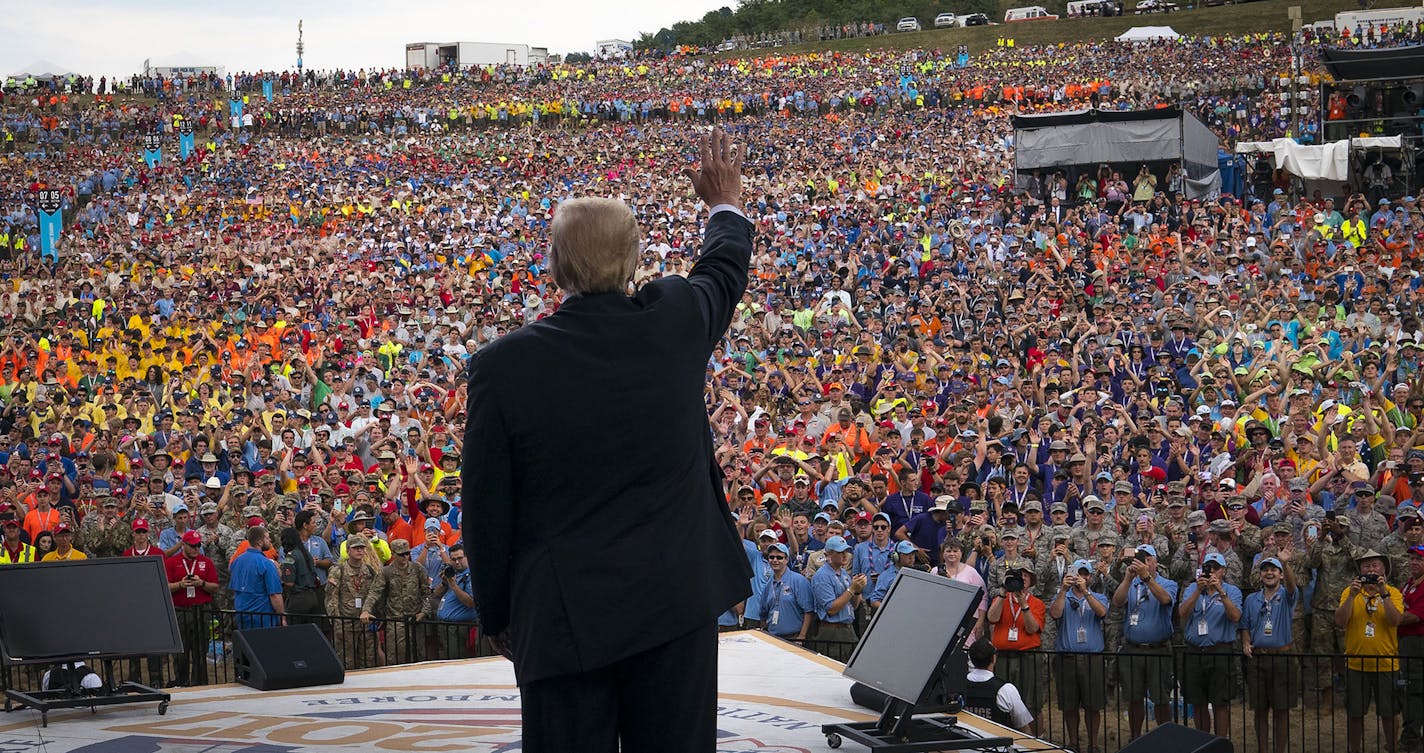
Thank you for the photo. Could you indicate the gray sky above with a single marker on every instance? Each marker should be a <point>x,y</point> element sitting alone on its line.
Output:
<point>108,37</point>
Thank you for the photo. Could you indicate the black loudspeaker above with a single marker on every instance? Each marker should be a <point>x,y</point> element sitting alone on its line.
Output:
<point>1174,738</point>
<point>277,658</point>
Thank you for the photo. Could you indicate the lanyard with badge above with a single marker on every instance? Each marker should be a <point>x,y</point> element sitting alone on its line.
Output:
<point>190,592</point>
<point>1015,612</point>
<point>1140,590</point>
<point>777,589</point>
<point>1204,605</point>
<point>1371,604</point>
<point>1268,611</point>
<point>1082,608</point>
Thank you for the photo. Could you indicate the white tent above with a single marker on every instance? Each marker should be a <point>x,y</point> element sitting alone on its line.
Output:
<point>1148,34</point>
<point>1317,162</point>
<point>42,70</point>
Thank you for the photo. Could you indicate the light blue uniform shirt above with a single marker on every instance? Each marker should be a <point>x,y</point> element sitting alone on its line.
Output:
<point>1080,629</point>
<point>1259,615</point>
<point>785,603</point>
<point>1147,620</point>
<point>1208,625</point>
<point>826,586</point>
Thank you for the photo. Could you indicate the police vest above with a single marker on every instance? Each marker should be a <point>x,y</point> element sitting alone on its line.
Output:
<point>982,698</point>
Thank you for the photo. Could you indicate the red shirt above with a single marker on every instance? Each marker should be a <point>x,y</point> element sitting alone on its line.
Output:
<point>179,567</point>
<point>1413,602</point>
<point>153,550</point>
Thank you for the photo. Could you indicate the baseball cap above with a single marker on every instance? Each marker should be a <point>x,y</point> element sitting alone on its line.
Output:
<point>192,538</point>
<point>779,547</point>
<point>388,507</point>
<point>905,547</point>
<point>1082,565</point>
<point>1271,561</point>
<point>837,544</point>
<point>1151,550</point>
<point>1214,558</point>
<point>140,525</point>
<point>821,516</point>
<point>769,533</point>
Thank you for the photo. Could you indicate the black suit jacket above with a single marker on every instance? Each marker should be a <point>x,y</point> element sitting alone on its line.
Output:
<point>594,516</point>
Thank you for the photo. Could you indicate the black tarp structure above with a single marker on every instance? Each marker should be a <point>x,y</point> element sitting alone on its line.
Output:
<point>1351,64</point>
<point>1087,138</point>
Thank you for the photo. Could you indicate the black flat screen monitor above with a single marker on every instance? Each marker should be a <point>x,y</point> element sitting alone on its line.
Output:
<point>87,609</point>
<point>922,619</point>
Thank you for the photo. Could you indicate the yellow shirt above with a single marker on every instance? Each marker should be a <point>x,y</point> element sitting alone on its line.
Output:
<point>1384,640</point>
<point>74,554</point>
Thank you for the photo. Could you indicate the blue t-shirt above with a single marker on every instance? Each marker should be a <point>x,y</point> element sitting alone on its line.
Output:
<point>451,608</point>
<point>253,579</point>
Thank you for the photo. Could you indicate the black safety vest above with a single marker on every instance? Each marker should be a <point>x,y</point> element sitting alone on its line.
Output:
<point>982,698</point>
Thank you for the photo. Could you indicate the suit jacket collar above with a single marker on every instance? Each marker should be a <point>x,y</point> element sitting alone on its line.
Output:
<point>600,303</point>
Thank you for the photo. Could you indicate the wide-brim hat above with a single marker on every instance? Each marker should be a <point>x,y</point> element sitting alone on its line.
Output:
<point>1370,554</point>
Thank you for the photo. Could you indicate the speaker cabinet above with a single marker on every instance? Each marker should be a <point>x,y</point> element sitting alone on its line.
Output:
<point>277,658</point>
<point>1174,738</point>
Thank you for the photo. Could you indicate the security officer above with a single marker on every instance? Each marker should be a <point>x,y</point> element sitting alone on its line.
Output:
<point>990,696</point>
<point>348,585</point>
<point>786,603</point>
<point>1272,682</point>
<point>837,593</point>
<point>1332,556</point>
<point>1146,661</point>
<point>13,550</point>
<point>399,595</point>
<point>1079,665</point>
<point>1210,610</point>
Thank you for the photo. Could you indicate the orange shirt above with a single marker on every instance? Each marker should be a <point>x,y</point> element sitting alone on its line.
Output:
<point>1013,618</point>
<point>244,546</point>
<point>36,522</point>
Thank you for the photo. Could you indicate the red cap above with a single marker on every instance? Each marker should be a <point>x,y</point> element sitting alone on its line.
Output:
<point>864,516</point>
<point>256,520</point>
<point>388,507</point>
<point>341,489</point>
<point>10,522</point>
<point>119,476</point>
<point>63,528</point>
<point>140,525</point>
<point>192,538</point>
<point>303,481</point>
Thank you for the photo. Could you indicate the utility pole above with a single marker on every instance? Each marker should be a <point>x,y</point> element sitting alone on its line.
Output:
<point>1295,93</point>
<point>301,47</point>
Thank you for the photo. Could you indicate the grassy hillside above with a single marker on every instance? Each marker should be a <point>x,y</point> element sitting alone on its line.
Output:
<point>1270,15</point>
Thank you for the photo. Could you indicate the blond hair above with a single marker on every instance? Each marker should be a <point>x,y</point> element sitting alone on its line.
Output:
<point>593,246</point>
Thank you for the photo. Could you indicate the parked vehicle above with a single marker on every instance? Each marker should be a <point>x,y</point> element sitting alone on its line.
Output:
<point>1154,6</point>
<point>1078,8</point>
<point>1031,13</point>
<point>974,19</point>
<point>909,23</point>
<point>946,21</point>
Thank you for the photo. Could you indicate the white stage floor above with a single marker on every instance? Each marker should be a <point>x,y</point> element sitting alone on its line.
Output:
<point>773,698</point>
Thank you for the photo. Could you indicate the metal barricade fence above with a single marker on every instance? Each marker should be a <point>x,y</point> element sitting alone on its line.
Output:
<point>1091,702</point>
<point>1226,691</point>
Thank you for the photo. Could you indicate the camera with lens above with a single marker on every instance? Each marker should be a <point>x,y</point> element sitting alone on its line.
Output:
<point>448,572</point>
<point>1013,583</point>
<point>1371,579</point>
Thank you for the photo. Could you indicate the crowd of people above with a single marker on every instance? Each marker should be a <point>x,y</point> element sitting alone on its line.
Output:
<point>1143,422</point>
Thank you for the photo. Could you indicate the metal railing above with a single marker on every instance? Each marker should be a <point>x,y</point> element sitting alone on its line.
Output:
<point>1311,689</point>
<point>1164,684</point>
<point>209,659</point>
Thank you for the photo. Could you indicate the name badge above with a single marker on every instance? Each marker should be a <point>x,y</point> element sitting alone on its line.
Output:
<point>1369,630</point>
<point>190,592</point>
<point>1201,627</point>
<point>1013,635</point>
<point>359,601</point>
<point>775,617</point>
<point>1267,627</point>
<point>1082,635</point>
<point>1132,619</point>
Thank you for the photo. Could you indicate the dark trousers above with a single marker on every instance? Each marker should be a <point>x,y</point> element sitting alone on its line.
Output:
<point>663,700</point>
<point>191,666</point>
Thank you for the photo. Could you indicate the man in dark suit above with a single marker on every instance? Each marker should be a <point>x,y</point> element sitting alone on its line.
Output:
<point>590,484</point>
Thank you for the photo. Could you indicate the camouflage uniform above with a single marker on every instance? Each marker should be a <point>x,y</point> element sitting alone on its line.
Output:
<point>1367,529</point>
<point>400,594</point>
<point>215,546</point>
<point>1083,538</point>
<point>1334,562</point>
<point>98,541</point>
<point>1105,579</point>
<point>348,586</point>
<point>1184,566</point>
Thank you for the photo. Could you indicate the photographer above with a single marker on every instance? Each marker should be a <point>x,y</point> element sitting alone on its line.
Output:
<point>453,603</point>
<point>1210,610</point>
<point>1016,617</point>
<point>1146,598</point>
<point>1370,612</point>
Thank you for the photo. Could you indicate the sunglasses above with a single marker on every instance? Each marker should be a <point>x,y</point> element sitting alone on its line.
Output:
<point>881,527</point>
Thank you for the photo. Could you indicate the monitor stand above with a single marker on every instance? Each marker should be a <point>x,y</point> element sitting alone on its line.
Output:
<point>73,695</point>
<point>899,731</point>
